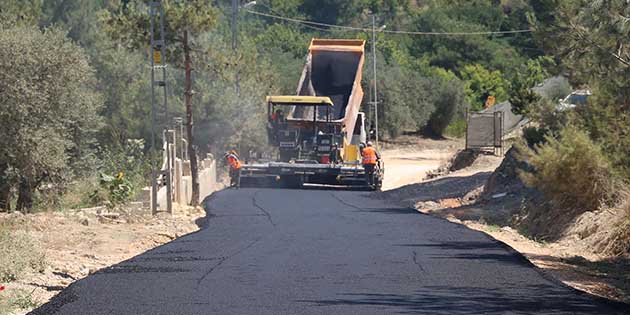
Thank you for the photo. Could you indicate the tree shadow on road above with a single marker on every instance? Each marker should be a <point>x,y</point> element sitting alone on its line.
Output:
<point>533,299</point>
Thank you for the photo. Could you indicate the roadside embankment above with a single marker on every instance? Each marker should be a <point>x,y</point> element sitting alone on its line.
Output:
<point>489,196</point>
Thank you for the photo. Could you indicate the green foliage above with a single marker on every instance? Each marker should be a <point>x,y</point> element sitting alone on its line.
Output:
<point>116,190</point>
<point>449,103</point>
<point>572,172</point>
<point>128,158</point>
<point>130,24</point>
<point>593,41</point>
<point>609,124</point>
<point>19,13</point>
<point>522,94</point>
<point>455,52</point>
<point>403,105</point>
<point>534,136</point>
<point>456,129</point>
<point>482,83</point>
<point>48,110</point>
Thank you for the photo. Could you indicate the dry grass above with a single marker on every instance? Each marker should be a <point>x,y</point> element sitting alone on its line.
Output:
<point>16,300</point>
<point>18,252</point>
<point>19,255</point>
<point>619,243</point>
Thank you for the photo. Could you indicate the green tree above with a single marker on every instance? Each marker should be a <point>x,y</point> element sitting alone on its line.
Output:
<point>592,38</point>
<point>183,20</point>
<point>522,94</point>
<point>481,83</point>
<point>19,12</point>
<point>48,111</point>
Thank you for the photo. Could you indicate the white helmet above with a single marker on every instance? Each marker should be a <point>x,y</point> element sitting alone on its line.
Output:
<point>369,143</point>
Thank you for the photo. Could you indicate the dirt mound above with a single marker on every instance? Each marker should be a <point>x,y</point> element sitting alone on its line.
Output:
<point>505,180</point>
<point>460,160</point>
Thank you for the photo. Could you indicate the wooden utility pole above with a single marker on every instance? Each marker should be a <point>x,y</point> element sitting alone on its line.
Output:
<point>189,124</point>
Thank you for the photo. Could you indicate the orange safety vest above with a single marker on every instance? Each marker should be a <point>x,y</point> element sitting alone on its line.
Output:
<point>234,162</point>
<point>369,156</point>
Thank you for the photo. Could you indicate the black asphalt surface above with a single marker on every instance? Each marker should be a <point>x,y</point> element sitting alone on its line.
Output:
<point>272,251</point>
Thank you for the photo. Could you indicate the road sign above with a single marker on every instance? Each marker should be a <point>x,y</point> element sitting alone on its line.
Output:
<point>157,56</point>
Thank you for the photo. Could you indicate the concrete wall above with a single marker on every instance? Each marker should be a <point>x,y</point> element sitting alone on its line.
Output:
<point>182,182</point>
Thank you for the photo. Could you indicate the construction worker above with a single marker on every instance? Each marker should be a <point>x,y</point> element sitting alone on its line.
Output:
<point>370,160</point>
<point>235,167</point>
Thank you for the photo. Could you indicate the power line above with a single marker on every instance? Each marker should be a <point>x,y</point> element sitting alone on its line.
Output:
<point>276,12</point>
<point>352,28</point>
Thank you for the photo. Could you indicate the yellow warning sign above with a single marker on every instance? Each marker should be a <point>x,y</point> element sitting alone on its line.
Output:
<point>490,101</point>
<point>157,57</point>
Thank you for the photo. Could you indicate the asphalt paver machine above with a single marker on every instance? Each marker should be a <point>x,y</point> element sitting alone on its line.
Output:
<point>319,132</point>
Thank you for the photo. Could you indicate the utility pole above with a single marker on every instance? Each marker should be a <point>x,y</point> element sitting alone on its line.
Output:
<point>234,16</point>
<point>153,117</point>
<point>374,63</point>
<point>192,154</point>
<point>158,62</point>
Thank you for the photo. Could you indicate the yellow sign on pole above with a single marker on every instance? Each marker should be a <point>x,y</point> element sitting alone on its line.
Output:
<point>490,101</point>
<point>157,57</point>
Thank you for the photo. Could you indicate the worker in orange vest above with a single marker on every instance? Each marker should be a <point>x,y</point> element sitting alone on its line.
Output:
<point>235,167</point>
<point>370,160</point>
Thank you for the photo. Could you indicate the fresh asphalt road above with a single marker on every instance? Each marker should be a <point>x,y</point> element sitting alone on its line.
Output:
<point>272,251</point>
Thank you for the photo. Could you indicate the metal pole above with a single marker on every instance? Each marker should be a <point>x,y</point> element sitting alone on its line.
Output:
<point>169,188</point>
<point>374,63</point>
<point>234,16</point>
<point>181,137</point>
<point>153,119</point>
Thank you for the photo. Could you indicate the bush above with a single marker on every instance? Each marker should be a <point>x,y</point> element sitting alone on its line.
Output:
<point>115,190</point>
<point>448,100</point>
<point>570,171</point>
<point>534,135</point>
<point>456,129</point>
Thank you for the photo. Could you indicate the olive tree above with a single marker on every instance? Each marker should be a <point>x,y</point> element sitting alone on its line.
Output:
<point>48,111</point>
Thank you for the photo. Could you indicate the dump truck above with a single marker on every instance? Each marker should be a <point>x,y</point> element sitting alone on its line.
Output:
<point>319,131</point>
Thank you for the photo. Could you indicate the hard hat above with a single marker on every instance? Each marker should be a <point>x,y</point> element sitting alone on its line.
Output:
<point>369,143</point>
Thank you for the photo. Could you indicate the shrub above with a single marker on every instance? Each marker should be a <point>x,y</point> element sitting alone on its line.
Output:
<point>456,129</point>
<point>114,191</point>
<point>534,135</point>
<point>570,171</point>
<point>448,100</point>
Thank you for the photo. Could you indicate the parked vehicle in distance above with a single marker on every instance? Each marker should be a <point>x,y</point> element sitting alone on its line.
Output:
<point>576,98</point>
